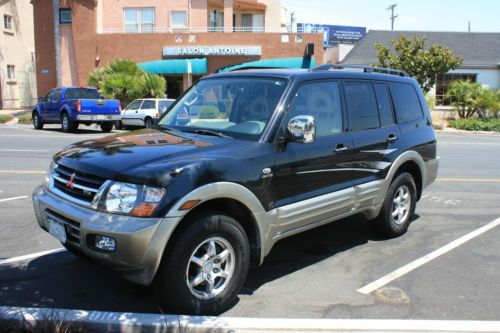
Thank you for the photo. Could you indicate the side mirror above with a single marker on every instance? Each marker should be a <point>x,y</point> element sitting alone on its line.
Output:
<point>40,99</point>
<point>301,129</point>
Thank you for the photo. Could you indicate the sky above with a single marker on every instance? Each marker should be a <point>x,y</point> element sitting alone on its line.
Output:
<point>431,15</point>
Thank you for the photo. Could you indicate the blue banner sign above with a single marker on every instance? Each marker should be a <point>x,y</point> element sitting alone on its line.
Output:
<point>334,34</point>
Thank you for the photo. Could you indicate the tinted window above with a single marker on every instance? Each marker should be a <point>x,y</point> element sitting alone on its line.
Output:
<point>164,105</point>
<point>361,106</point>
<point>322,101</point>
<point>148,105</point>
<point>49,96</point>
<point>57,95</point>
<point>134,105</point>
<point>406,102</point>
<point>384,104</point>
<point>81,93</point>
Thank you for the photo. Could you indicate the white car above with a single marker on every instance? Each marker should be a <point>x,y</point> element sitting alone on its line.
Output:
<point>144,112</point>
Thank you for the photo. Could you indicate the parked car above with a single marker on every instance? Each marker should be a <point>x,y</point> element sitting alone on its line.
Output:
<point>144,112</point>
<point>190,205</point>
<point>70,106</point>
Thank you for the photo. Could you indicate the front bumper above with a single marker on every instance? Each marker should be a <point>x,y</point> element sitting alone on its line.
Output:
<point>98,117</point>
<point>140,242</point>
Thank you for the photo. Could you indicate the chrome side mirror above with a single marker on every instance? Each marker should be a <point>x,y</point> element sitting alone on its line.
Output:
<point>302,129</point>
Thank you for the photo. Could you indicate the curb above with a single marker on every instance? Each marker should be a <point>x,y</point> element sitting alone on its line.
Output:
<point>45,319</point>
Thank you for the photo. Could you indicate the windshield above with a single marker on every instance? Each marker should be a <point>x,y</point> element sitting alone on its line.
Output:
<point>235,107</point>
<point>81,93</point>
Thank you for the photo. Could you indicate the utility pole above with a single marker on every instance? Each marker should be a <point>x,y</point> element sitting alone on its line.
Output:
<point>393,17</point>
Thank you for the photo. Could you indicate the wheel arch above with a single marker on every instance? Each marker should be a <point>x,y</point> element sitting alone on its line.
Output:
<point>413,163</point>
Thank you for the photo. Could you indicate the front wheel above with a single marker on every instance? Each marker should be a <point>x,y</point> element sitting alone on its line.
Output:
<point>106,127</point>
<point>205,267</point>
<point>398,207</point>
<point>37,122</point>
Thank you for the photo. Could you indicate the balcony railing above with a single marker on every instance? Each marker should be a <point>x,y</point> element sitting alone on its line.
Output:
<point>149,29</point>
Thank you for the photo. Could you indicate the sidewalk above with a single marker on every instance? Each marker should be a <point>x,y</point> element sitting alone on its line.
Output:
<point>16,112</point>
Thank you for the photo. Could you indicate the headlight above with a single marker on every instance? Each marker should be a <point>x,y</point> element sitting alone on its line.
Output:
<point>131,199</point>
<point>49,173</point>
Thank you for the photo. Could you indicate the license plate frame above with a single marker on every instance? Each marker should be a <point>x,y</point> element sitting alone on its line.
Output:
<point>57,229</point>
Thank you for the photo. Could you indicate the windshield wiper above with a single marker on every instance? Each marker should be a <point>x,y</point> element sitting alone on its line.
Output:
<point>212,133</point>
<point>168,128</point>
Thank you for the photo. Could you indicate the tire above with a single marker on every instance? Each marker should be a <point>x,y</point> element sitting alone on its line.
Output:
<point>148,122</point>
<point>107,126</point>
<point>388,224</point>
<point>118,124</point>
<point>171,283</point>
<point>37,122</point>
<point>67,125</point>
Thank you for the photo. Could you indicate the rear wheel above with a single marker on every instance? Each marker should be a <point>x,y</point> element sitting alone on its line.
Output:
<point>205,267</point>
<point>67,125</point>
<point>107,126</point>
<point>37,122</point>
<point>398,207</point>
<point>148,122</point>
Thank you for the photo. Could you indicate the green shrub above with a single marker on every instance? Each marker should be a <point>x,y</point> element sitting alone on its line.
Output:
<point>5,118</point>
<point>476,124</point>
<point>25,119</point>
<point>210,112</point>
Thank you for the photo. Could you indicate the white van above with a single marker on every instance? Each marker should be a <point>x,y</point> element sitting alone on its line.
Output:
<point>144,112</point>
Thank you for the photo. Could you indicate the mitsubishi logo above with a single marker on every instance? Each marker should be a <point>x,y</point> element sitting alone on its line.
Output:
<point>69,184</point>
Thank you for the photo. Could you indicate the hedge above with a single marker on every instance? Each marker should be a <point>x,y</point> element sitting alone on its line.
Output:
<point>476,124</point>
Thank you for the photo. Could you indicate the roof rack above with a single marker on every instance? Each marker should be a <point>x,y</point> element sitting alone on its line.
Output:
<point>366,69</point>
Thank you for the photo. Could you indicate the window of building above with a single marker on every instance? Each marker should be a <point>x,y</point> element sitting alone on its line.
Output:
<point>216,20</point>
<point>179,19</point>
<point>361,106</point>
<point>65,16</point>
<point>406,102</point>
<point>443,81</point>
<point>11,72</point>
<point>7,22</point>
<point>384,104</point>
<point>322,101</point>
<point>139,20</point>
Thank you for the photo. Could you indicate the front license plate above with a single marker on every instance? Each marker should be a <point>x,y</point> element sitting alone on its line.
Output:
<point>56,229</point>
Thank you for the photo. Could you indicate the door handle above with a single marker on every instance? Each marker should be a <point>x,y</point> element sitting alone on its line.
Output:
<point>391,138</point>
<point>340,148</point>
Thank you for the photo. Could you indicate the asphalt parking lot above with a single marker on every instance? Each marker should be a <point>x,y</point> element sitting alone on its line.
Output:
<point>317,274</point>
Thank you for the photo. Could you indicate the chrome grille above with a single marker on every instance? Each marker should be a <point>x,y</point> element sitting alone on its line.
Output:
<point>72,227</point>
<point>77,185</point>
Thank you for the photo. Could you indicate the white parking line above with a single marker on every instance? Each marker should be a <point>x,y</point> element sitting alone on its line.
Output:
<point>425,259</point>
<point>30,256</point>
<point>13,198</point>
<point>23,150</point>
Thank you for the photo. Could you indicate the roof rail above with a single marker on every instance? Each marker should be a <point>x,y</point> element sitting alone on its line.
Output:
<point>366,69</point>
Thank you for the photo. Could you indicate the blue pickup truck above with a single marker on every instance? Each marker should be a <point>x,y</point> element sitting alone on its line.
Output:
<point>70,106</point>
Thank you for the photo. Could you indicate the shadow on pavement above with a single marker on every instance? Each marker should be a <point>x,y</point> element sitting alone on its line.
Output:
<point>63,281</point>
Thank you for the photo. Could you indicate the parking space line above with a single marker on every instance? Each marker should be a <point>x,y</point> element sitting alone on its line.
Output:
<point>24,150</point>
<point>14,198</point>
<point>425,259</point>
<point>31,256</point>
<point>479,180</point>
<point>23,171</point>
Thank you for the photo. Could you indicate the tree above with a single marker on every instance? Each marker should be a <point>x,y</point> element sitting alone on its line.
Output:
<point>411,56</point>
<point>125,81</point>
<point>469,98</point>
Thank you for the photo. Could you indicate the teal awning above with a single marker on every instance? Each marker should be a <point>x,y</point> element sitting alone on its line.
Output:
<point>273,63</point>
<point>175,66</point>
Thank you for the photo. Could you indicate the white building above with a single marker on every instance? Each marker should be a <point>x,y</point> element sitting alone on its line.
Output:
<point>17,54</point>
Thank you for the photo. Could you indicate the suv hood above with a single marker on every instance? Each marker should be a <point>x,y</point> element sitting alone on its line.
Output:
<point>143,154</point>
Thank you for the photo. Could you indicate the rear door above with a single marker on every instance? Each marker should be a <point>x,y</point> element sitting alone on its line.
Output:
<point>310,182</point>
<point>375,135</point>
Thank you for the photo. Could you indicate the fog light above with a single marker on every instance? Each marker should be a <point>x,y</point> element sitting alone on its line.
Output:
<point>105,243</point>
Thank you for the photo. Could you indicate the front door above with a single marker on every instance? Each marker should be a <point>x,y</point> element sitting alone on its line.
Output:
<point>310,181</point>
<point>53,111</point>
<point>45,107</point>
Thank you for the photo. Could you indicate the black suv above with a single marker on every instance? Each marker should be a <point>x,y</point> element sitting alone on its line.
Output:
<point>240,161</point>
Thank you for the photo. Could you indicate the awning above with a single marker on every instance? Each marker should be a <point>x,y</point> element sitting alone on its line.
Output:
<point>246,4</point>
<point>273,63</point>
<point>175,66</point>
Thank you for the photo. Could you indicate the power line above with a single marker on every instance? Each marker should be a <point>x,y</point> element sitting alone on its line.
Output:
<point>393,17</point>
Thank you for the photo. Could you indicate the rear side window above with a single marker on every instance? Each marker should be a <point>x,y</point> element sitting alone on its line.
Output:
<point>164,105</point>
<point>148,105</point>
<point>406,102</point>
<point>81,93</point>
<point>361,105</point>
<point>384,104</point>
